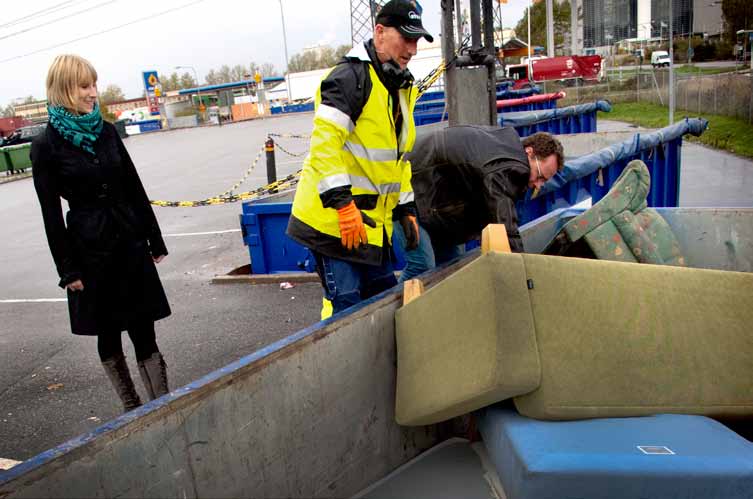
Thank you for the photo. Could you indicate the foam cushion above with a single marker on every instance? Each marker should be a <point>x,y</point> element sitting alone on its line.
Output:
<point>590,338</point>
<point>618,339</point>
<point>467,342</point>
<point>600,458</point>
<point>620,227</point>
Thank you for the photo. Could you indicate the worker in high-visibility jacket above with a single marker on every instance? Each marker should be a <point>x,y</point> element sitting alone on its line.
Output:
<point>354,180</point>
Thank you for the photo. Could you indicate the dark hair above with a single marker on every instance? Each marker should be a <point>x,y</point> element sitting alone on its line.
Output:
<point>544,145</point>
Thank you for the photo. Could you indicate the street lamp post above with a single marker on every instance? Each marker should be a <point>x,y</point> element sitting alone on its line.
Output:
<point>198,86</point>
<point>285,45</point>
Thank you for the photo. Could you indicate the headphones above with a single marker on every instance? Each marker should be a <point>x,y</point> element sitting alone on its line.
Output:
<point>395,77</point>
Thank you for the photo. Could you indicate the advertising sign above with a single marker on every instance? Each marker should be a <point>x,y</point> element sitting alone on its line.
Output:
<point>151,86</point>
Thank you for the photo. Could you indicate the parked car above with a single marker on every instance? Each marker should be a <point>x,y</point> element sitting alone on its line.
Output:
<point>660,58</point>
<point>24,134</point>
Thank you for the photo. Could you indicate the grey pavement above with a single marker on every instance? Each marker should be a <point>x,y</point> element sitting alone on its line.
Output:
<point>708,177</point>
<point>52,387</point>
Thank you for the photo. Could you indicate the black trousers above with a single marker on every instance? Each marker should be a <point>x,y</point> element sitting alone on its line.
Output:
<point>142,336</point>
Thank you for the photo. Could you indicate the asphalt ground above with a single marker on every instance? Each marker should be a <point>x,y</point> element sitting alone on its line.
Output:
<point>52,386</point>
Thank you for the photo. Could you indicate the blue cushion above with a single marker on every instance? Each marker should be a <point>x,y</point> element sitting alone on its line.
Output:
<point>683,456</point>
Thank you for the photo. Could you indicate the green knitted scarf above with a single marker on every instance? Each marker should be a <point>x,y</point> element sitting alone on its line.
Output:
<point>80,130</point>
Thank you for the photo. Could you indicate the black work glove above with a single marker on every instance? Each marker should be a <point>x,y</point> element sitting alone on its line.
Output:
<point>410,227</point>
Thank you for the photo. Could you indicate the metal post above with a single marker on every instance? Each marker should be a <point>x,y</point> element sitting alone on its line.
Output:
<point>573,27</point>
<point>488,12</point>
<point>269,148</point>
<point>475,24</point>
<point>448,52</point>
<point>671,69</point>
<point>549,28</point>
<point>285,46</point>
<point>459,19</point>
<point>530,66</point>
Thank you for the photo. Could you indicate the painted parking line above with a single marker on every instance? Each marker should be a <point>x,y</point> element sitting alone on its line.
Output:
<point>187,234</point>
<point>37,300</point>
<point>6,464</point>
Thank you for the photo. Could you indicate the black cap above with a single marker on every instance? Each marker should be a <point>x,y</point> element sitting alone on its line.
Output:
<point>405,16</point>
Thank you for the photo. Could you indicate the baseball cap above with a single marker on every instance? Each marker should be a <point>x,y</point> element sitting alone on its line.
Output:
<point>405,16</point>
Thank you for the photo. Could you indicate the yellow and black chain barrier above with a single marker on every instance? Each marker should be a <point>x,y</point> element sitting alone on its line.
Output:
<point>292,179</point>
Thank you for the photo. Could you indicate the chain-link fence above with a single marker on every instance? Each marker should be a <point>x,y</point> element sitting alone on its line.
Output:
<point>726,94</point>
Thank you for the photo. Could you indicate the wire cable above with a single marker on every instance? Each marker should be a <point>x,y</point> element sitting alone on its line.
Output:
<point>41,13</point>
<point>85,37</point>
<point>84,11</point>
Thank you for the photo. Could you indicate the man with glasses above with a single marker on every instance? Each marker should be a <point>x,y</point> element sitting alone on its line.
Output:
<point>466,177</point>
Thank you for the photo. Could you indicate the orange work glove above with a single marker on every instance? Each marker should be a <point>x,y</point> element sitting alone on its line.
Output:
<point>410,227</point>
<point>352,231</point>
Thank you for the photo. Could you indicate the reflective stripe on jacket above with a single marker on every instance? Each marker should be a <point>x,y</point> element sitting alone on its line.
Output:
<point>354,153</point>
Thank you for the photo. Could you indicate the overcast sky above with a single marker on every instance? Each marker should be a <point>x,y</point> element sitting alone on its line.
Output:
<point>201,33</point>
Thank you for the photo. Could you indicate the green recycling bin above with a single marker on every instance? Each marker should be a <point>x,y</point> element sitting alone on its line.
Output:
<point>18,157</point>
<point>4,161</point>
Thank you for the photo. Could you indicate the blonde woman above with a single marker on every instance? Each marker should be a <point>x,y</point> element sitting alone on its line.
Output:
<point>106,249</point>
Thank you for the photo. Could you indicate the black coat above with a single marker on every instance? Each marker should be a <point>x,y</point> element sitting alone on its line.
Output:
<point>466,177</point>
<point>109,235</point>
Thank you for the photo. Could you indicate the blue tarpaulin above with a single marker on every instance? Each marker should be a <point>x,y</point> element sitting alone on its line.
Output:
<point>585,165</point>
<point>524,118</point>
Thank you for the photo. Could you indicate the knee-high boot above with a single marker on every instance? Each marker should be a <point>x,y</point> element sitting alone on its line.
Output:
<point>154,375</point>
<point>116,369</point>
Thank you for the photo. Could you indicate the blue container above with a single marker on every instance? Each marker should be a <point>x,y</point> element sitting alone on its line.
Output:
<point>657,457</point>
<point>271,251</point>
<point>263,227</point>
<point>149,125</point>
<point>293,108</point>
<point>531,106</point>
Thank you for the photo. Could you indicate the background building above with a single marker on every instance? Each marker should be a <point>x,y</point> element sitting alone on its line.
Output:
<point>606,22</point>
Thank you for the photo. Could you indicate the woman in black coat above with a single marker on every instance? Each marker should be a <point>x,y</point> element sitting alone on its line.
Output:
<point>105,251</point>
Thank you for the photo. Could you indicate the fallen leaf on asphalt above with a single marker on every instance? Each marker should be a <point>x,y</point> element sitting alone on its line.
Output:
<point>94,418</point>
<point>55,386</point>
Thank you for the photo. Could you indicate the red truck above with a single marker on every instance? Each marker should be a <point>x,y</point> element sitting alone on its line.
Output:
<point>571,67</point>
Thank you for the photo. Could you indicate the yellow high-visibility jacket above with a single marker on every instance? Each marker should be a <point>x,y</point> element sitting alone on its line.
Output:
<point>355,154</point>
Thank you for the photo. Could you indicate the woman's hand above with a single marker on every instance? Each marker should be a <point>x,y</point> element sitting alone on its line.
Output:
<point>75,285</point>
<point>158,259</point>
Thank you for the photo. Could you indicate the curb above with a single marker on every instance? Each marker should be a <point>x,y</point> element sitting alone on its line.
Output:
<point>293,277</point>
<point>4,179</point>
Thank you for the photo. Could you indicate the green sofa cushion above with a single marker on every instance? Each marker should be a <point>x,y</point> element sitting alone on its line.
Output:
<point>466,343</point>
<point>620,226</point>
<point>625,340</point>
<point>573,338</point>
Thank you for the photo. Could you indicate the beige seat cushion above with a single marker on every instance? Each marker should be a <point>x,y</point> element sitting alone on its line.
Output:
<point>466,343</point>
<point>617,339</point>
<point>589,339</point>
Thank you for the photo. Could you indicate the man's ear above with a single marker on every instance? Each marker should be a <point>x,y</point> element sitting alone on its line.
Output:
<point>529,151</point>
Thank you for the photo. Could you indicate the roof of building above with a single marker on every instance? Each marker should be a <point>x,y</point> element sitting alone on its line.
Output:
<point>222,86</point>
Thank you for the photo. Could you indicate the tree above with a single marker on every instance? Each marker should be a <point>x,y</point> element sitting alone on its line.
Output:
<point>324,57</point>
<point>561,13</point>
<point>268,69</point>
<point>738,14</point>
<point>112,93</point>
<point>188,81</point>
<point>237,72</point>
<point>8,111</point>
<point>224,74</point>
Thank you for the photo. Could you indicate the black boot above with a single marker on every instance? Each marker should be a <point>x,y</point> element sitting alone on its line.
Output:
<point>116,369</point>
<point>154,375</point>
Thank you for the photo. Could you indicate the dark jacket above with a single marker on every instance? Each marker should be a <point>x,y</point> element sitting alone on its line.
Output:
<point>109,235</point>
<point>466,177</point>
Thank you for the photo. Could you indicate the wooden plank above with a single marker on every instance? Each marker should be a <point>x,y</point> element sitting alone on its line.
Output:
<point>494,238</point>
<point>412,289</point>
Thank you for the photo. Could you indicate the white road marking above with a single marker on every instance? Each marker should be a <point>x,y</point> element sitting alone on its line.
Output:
<point>6,464</point>
<point>38,300</point>
<point>187,234</point>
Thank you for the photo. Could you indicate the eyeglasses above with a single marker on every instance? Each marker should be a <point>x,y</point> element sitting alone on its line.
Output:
<point>538,168</point>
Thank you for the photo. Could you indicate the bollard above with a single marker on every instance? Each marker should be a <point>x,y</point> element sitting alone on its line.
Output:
<point>269,148</point>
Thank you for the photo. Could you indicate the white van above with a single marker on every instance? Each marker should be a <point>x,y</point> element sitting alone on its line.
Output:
<point>660,58</point>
